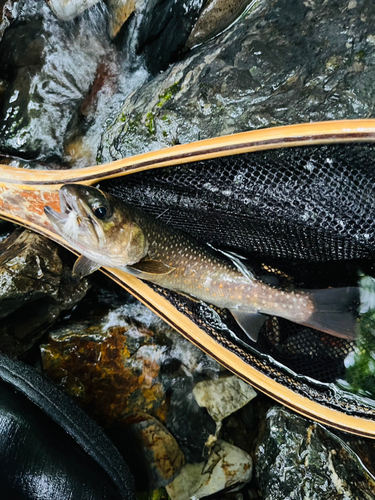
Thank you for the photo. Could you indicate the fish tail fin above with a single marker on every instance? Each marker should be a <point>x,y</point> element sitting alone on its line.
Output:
<point>331,311</point>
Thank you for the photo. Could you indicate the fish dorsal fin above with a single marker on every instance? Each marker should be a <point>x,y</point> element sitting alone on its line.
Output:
<point>84,266</point>
<point>150,266</point>
<point>239,262</point>
<point>251,323</point>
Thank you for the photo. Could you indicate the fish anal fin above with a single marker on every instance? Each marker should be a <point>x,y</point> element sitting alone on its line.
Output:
<point>251,323</point>
<point>151,266</point>
<point>84,266</point>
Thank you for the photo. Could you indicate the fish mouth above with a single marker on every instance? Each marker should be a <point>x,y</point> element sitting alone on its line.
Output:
<point>75,220</point>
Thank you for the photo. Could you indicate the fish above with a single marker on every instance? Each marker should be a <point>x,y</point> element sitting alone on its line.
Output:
<point>108,232</point>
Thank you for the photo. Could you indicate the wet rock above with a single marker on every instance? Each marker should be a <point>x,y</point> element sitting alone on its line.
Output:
<point>79,144</point>
<point>223,396</point>
<point>117,367</point>
<point>48,68</point>
<point>159,30</point>
<point>106,80</point>
<point>279,65</point>
<point>65,10</point>
<point>300,459</point>
<point>227,468</point>
<point>215,16</point>
<point>120,11</point>
<point>152,452</point>
<point>189,423</point>
<point>35,287</point>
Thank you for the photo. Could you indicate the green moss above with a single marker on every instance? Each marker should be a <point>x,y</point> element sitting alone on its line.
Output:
<point>360,55</point>
<point>168,94</point>
<point>150,123</point>
<point>123,117</point>
<point>134,123</point>
<point>333,63</point>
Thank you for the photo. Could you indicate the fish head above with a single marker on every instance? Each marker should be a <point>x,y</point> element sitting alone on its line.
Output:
<point>98,225</point>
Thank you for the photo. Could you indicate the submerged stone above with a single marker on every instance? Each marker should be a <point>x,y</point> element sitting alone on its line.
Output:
<point>282,64</point>
<point>300,459</point>
<point>35,286</point>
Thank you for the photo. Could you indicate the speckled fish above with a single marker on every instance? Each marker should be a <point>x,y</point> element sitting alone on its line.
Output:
<point>108,232</point>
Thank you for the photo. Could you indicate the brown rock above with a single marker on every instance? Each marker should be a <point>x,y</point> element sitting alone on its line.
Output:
<point>109,369</point>
<point>215,17</point>
<point>153,451</point>
<point>120,11</point>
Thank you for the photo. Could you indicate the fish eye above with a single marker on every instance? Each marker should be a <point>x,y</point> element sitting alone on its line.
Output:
<point>100,212</point>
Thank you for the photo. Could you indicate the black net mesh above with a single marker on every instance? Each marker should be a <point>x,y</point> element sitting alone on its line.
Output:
<point>303,214</point>
<point>298,203</point>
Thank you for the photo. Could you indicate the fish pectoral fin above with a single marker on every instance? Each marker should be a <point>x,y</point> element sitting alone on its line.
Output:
<point>84,266</point>
<point>251,323</point>
<point>152,267</point>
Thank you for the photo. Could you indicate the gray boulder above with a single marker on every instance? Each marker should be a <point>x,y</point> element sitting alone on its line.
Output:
<point>299,459</point>
<point>285,62</point>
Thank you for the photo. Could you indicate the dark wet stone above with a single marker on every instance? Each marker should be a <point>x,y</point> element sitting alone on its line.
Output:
<point>300,459</point>
<point>160,29</point>
<point>23,45</point>
<point>35,287</point>
<point>187,421</point>
<point>283,63</point>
